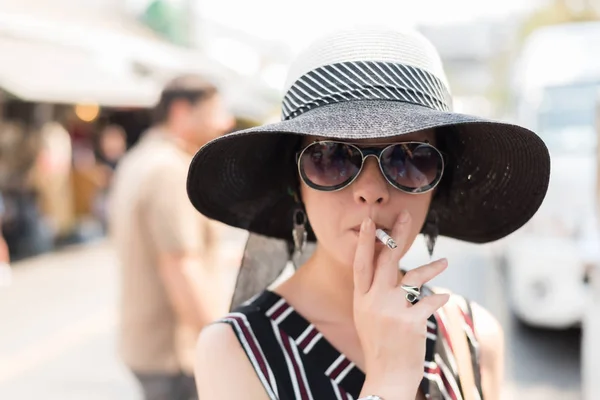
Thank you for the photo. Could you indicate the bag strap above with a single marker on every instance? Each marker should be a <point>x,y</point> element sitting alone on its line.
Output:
<point>460,346</point>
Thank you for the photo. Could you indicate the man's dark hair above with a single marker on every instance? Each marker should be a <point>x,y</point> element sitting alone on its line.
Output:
<point>191,88</point>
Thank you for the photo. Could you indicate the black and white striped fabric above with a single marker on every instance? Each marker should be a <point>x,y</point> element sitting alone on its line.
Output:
<point>365,80</point>
<point>294,361</point>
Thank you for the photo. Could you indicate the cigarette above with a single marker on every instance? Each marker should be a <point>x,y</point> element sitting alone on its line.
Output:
<point>385,239</point>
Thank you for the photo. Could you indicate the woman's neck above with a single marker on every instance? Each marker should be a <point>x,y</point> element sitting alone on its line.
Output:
<point>323,288</point>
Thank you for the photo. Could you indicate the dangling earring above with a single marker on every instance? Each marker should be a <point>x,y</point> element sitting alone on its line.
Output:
<point>431,231</point>
<point>299,233</point>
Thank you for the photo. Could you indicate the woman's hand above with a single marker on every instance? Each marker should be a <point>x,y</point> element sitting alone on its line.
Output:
<point>391,330</point>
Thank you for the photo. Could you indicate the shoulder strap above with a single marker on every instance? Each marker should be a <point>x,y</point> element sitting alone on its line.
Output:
<point>252,346</point>
<point>460,346</point>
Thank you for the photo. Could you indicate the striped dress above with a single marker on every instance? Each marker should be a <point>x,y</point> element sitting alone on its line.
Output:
<point>295,362</point>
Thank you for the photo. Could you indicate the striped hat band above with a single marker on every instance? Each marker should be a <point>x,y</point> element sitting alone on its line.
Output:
<point>365,80</point>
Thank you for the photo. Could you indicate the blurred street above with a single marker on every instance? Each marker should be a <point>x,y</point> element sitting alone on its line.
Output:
<point>60,342</point>
<point>58,336</point>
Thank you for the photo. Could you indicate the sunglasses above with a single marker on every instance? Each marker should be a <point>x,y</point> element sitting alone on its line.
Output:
<point>412,167</point>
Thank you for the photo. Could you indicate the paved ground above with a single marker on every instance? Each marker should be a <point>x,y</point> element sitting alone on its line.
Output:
<point>57,340</point>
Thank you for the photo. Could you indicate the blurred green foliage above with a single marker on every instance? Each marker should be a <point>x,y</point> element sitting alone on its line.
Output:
<point>167,20</point>
<point>559,12</point>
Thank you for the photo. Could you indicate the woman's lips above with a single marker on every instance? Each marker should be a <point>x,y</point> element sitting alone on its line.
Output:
<point>386,230</point>
<point>356,231</point>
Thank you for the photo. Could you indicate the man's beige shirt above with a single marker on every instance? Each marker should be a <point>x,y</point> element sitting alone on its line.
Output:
<point>150,213</point>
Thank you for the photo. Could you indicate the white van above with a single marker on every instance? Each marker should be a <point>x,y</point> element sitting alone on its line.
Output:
<point>556,82</point>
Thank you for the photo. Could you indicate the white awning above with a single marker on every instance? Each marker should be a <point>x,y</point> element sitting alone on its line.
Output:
<point>92,57</point>
<point>46,72</point>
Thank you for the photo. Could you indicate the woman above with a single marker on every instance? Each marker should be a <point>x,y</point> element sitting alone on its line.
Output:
<point>347,325</point>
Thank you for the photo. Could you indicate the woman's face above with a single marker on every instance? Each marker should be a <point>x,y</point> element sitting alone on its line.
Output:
<point>335,217</point>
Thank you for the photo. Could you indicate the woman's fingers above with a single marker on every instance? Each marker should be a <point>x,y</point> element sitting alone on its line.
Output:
<point>383,311</point>
<point>386,271</point>
<point>423,274</point>
<point>428,305</point>
<point>419,277</point>
<point>363,258</point>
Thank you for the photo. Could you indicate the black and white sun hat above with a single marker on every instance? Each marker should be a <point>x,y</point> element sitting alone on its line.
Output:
<point>372,82</point>
<point>366,83</point>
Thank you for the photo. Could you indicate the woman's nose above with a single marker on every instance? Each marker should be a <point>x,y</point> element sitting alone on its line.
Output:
<point>371,187</point>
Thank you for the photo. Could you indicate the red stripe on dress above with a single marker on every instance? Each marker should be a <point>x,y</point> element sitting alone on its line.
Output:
<point>279,311</point>
<point>343,392</point>
<point>254,347</point>
<point>434,371</point>
<point>448,386</point>
<point>448,379</point>
<point>445,334</point>
<point>297,374</point>
<point>468,319</point>
<point>308,338</point>
<point>338,370</point>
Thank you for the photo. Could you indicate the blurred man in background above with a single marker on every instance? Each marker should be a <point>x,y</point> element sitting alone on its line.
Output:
<point>112,144</point>
<point>172,274</point>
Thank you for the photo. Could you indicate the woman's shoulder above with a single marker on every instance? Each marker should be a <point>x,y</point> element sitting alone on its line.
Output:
<point>224,338</point>
<point>245,325</point>
<point>218,339</point>
<point>475,315</point>
<point>456,300</point>
<point>228,351</point>
<point>484,335</point>
<point>220,360</point>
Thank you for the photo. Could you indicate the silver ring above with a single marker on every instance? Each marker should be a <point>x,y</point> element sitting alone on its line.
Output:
<point>412,293</point>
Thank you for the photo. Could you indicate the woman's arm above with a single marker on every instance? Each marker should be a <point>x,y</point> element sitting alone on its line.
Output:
<point>491,342</point>
<point>223,370</point>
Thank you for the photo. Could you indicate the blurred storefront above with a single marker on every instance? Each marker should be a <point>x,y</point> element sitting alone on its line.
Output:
<point>71,77</point>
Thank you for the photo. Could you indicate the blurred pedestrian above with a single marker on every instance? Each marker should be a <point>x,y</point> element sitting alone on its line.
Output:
<point>111,147</point>
<point>171,287</point>
<point>112,144</point>
<point>364,109</point>
<point>54,180</point>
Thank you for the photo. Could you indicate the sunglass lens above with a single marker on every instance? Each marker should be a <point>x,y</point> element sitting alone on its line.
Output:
<point>412,166</point>
<point>329,165</point>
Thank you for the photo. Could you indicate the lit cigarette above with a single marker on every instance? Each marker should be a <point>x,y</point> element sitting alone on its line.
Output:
<point>385,239</point>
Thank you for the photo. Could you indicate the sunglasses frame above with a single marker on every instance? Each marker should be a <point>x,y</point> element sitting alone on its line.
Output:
<point>376,152</point>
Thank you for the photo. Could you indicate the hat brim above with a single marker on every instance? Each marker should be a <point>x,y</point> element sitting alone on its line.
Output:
<point>499,176</point>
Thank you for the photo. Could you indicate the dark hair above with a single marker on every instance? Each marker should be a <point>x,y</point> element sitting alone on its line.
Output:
<point>191,88</point>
